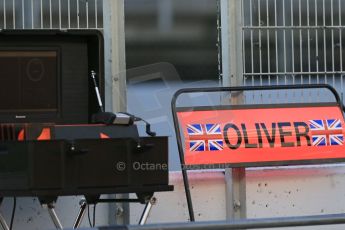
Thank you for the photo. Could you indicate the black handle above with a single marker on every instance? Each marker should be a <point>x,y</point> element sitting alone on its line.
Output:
<point>73,150</point>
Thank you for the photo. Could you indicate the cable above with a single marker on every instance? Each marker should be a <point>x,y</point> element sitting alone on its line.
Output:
<point>88,215</point>
<point>94,215</point>
<point>147,125</point>
<point>13,211</point>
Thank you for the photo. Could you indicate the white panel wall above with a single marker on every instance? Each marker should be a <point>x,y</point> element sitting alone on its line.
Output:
<point>272,192</point>
<point>208,191</point>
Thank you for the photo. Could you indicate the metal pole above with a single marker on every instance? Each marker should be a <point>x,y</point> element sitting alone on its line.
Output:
<point>55,219</point>
<point>232,55</point>
<point>3,223</point>
<point>147,210</point>
<point>235,180</point>
<point>115,80</point>
<point>81,214</point>
<point>115,60</point>
<point>247,223</point>
<point>53,215</point>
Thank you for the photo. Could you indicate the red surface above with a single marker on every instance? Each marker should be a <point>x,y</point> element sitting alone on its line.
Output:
<point>45,134</point>
<point>21,135</point>
<point>103,136</point>
<point>264,152</point>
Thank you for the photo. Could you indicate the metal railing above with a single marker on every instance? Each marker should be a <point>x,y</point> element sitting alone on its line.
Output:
<point>242,224</point>
<point>293,42</point>
<point>51,14</point>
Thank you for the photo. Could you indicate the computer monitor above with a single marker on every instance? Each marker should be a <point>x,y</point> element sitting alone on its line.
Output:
<point>45,76</point>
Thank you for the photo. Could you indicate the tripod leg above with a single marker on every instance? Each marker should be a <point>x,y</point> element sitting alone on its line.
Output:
<point>147,210</point>
<point>3,223</point>
<point>53,215</point>
<point>81,214</point>
<point>2,219</point>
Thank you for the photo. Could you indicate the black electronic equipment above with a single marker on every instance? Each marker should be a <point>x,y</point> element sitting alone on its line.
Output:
<point>55,138</point>
<point>44,75</point>
<point>83,166</point>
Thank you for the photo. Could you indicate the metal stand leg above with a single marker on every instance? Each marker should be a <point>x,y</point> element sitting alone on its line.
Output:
<point>81,214</point>
<point>2,219</point>
<point>147,210</point>
<point>53,215</point>
<point>3,223</point>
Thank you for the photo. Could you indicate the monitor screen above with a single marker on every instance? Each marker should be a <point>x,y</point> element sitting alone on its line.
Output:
<point>29,81</point>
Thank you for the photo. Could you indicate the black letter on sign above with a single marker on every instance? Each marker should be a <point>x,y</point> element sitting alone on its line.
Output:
<point>258,131</point>
<point>239,137</point>
<point>300,134</point>
<point>284,134</point>
<point>246,141</point>
<point>270,139</point>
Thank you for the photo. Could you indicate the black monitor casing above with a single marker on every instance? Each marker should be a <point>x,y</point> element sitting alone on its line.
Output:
<point>45,75</point>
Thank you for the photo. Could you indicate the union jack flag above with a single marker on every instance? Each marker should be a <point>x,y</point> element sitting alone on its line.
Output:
<point>326,132</point>
<point>206,137</point>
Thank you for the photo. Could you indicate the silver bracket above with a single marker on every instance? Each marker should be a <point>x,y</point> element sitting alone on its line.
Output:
<point>147,210</point>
